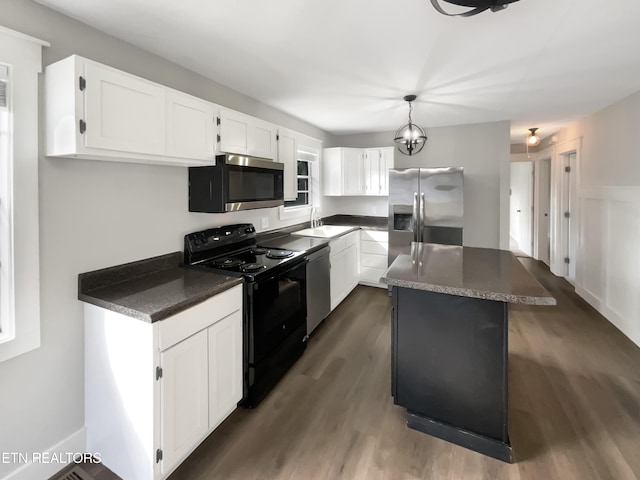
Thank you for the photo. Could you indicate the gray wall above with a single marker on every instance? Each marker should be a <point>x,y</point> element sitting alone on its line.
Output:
<point>482,149</point>
<point>92,215</point>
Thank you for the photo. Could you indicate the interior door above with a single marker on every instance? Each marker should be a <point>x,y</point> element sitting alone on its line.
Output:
<point>183,398</point>
<point>123,112</point>
<point>521,208</point>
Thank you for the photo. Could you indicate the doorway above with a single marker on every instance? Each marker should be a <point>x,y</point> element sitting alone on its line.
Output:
<point>521,208</point>
<point>542,230</point>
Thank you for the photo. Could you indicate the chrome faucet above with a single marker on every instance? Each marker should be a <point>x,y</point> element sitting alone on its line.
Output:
<point>314,220</point>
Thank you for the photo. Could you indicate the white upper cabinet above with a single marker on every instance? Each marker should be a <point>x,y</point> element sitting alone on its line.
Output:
<point>376,165</point>
<point>287,154</point>
<point>97,112</point>
<point>234,132</point>
<point>191,129</point>
<point>247,135</point>
<point>122,112</point>
<point>356,171</point>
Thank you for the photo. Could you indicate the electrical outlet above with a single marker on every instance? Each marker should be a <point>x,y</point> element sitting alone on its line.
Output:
<point>265,222</point>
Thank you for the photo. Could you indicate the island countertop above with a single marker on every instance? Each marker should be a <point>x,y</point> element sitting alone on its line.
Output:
<point>484,273</point>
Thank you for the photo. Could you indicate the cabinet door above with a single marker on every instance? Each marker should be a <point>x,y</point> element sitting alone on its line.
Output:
<point>386,163</point>
<point>332,171</point>
<point>183,398</point>
<point>352,171</point>
<point>225,367</point>
<point>262,139</point>
<point>352,262</point>
<point>371,171</point>
<point>287,155</point>
<point>338,278</point>
<point>234,132</point>
<point>190,127</point>
<point>123,112</point>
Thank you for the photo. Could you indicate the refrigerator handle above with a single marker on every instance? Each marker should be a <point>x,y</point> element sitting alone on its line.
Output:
<point>423,215</point>
<point>415,219</point>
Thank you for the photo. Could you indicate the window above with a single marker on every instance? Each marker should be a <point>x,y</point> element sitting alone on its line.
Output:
<point>307,158</point>
<point>20,63</point>
<point>304,185</point>
<point>7,330</point>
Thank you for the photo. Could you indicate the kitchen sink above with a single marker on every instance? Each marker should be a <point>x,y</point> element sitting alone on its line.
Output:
<point>325,231</point>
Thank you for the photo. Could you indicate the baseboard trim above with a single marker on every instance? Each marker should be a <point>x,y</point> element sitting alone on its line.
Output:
<point>609,314</point>
<point>74,443</point>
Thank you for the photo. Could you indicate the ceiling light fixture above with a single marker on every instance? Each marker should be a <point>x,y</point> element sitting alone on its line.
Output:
<point>410,137</point>
<point>533,139</point>
<point>477,6</point>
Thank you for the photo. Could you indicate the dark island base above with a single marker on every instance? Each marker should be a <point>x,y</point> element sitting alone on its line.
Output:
<point>449,368</point>
<point>459,436</point>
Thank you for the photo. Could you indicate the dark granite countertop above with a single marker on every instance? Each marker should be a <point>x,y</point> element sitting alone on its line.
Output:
<point>297,244</point>
<point>151,289</point>
<point>467,272</point>
<point>368,223</point>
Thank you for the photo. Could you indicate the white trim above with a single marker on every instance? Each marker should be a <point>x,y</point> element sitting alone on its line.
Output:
<point>23,36</point>
<point>287,213</point>
<point>24,56</point>
<point>74,443</point>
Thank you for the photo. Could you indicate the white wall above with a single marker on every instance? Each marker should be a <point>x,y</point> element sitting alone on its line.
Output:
<point>484,152</point>
<point>608,263</point>
<point>93,215</point>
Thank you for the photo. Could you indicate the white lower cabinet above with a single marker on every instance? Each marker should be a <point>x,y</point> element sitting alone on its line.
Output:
<point>155,391</point>
<point>183,398</point>
<point>374,251</point>
<point>345,266</point>
<point>225,361</point>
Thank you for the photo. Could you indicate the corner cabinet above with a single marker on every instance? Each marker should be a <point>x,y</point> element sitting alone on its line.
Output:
<point>96,112</point>
<point>246,135</point>
<point>155,391</point>
<point>374,254</point>
<point>356,171</point>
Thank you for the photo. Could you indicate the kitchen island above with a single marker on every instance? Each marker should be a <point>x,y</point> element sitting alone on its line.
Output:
<point>450,340</point>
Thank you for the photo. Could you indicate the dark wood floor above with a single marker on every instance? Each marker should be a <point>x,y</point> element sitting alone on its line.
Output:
<point>574,405</point>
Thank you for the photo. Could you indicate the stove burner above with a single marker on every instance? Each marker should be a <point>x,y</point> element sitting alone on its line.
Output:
<point>251,267</point>
<point>259,251</point>
<point>279,254</point>
<point>228,262</point>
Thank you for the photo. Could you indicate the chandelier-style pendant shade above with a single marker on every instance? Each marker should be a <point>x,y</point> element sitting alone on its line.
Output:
<point>410,138</point>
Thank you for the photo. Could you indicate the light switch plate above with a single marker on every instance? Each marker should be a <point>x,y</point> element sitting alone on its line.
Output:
<point>265,222</point>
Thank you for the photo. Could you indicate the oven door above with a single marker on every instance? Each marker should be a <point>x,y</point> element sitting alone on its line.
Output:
<point>277,306</point>
<point>253,183</point>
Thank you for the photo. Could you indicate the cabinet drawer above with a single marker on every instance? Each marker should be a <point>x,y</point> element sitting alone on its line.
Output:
<point>375,261</point>
<point>375,248</point>
<point>375,236</point>
<point>184,324</point>
<point>370,274</point>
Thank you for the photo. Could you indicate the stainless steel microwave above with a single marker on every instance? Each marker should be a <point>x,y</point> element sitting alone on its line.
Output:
<point>234,183</point>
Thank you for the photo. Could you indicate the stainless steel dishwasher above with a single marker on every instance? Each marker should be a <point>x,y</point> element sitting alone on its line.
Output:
<point>318,292</point>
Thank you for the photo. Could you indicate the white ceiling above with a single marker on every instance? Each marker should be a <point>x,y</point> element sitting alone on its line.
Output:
<point>344,65</point>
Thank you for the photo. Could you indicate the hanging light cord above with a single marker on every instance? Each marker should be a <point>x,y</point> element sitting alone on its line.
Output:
<point>410,110</point>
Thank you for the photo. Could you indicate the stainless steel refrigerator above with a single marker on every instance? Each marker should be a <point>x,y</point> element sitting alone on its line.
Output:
<point>425,205</point>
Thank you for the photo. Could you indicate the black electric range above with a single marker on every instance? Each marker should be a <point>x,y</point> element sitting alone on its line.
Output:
<point>275,301</point>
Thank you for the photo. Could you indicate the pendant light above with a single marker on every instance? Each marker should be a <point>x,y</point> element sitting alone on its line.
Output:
<point>533,139</point>
<point>410,137</point>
